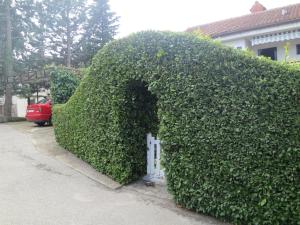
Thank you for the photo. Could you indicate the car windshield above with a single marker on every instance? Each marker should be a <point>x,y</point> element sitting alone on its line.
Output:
<point>43,101</point>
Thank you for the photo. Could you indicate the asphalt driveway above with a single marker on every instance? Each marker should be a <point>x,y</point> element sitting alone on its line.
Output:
<point>37,188</point>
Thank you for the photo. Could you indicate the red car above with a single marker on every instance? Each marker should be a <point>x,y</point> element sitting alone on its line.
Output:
<point>40,113</point>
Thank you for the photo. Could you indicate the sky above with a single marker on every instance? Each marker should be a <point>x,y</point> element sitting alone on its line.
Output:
<point>178,15</point>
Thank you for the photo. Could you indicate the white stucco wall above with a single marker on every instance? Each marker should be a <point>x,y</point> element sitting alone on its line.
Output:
<point>244,40</point>
<point>239,43</point>
<point>245,44</point>
<point>20,105</point>
<point>292,52</point>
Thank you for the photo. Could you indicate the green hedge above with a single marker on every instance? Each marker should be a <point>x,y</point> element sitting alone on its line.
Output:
<point>229,123</point>
<point>64,82</point>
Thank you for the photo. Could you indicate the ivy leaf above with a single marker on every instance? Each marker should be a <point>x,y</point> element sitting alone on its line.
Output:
<point>263,202</point>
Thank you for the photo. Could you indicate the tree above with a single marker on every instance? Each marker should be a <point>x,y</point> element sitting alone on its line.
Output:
<point>27,51</point>
<point>64,28</point>
<point>32,78</point>
<point>35,33</point>
<point>101,27</point>
<point>7,56</point>
<point>2,47</point>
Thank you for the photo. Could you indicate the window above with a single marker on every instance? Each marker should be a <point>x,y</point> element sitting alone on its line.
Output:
<point>43,101</point>
<point>268,52</point>
<point>298,49</point>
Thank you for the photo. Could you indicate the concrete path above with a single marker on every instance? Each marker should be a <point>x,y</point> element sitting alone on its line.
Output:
<point>38,188</point>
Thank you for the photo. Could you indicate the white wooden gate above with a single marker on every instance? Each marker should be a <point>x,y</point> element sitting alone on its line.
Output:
<point>155,172</point>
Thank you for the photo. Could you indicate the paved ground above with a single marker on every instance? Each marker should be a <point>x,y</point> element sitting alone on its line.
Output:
<point>39,187</point>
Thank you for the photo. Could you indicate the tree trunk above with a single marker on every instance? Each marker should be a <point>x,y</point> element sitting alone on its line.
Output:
<point>8,62</point>
<point>68,39</point>
<point>37,95</point>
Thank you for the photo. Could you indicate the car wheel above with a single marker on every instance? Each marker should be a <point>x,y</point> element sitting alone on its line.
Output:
<point>40,124</point>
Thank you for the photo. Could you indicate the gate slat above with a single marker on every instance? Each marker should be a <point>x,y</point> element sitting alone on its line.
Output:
<point>154,171</point>
<point>157,157</point>
<point>152,160</point>
<point>148,152</point>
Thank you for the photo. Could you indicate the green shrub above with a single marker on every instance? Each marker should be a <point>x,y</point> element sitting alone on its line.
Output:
<point>64,82</point>
<point>229,123</point>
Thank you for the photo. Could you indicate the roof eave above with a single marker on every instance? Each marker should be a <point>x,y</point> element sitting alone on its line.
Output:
<point>219,35</point>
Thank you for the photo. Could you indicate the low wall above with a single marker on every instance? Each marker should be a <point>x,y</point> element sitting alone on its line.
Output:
<point>13,119</point>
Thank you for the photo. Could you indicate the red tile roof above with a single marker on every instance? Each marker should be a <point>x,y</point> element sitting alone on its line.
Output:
<point>257,20</point>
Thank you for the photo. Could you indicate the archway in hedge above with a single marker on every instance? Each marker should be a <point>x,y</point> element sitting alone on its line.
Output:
<point>221,114</point>
<point>141,116</point>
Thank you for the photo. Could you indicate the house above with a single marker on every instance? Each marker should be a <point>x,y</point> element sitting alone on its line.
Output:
<point>273,33</point>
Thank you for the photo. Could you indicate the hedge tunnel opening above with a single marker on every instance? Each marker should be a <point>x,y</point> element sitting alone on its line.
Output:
<point>140,110</point>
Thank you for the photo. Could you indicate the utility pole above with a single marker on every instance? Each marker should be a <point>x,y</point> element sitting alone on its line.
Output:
<point>8,60</point>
